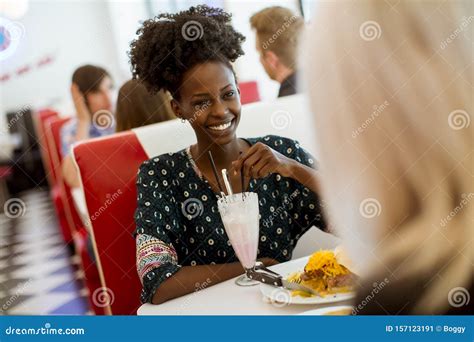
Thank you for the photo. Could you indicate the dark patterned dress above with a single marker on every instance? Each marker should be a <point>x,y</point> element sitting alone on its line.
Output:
<point>178,223</point>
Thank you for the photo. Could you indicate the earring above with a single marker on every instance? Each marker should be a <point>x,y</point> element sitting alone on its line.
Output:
<point>183,120</point>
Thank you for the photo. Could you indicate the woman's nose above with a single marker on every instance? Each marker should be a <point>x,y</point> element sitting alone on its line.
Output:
<point>219,109</point>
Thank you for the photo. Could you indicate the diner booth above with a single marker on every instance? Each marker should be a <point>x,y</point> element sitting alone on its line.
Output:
<point>108,169</point>
<point>126,126</point>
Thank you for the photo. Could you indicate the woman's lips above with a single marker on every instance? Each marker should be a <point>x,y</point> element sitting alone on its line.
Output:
<point>222,127</point>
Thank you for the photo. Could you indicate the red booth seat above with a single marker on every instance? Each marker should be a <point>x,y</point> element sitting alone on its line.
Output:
<point>249,92</point>
<point>72,227</point>
<point>108,169</point>
<point>42,119</point>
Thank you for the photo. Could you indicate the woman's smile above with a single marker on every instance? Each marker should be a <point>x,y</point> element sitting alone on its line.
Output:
<point>221,128</point>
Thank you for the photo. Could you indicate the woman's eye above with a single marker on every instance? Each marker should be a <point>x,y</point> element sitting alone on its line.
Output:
<point>229,94</point>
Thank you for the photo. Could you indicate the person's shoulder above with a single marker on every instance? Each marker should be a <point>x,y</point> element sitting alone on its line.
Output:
<point>164,163</point>
<point>279,143</point>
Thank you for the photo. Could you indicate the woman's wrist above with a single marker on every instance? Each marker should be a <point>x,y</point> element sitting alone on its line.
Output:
<point>303,174</point>
<point>290,169</point>
<point>84,120</point>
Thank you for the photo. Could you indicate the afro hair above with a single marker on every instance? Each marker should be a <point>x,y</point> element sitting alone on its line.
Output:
<point>171,44</point>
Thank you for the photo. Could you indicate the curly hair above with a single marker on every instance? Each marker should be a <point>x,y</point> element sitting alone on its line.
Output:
<point>171,44</point>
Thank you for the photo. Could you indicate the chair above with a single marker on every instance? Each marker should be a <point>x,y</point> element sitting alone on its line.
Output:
<point>40,120</point>
<point>52,128</point>
<point>43,119</point>
<point>75,231</point>
<point>249,92</point>
<point>108,168</point>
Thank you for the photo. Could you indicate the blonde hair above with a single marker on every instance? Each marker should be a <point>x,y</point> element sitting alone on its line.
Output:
<point>278,30</point>
<point>393,104</point>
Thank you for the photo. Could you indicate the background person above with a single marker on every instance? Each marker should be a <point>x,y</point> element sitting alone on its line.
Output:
<point>91,91</point>
<point>136,107</point>
<point>278,31</point>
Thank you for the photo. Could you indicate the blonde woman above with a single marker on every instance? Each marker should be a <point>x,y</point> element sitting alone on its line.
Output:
<point>391,86</point>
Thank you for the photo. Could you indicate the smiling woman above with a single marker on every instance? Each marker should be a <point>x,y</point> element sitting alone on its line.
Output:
<point>180,236</point>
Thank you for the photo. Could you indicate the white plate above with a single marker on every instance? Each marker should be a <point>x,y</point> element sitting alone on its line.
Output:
<point>325,311</point>
<point>280,295</point>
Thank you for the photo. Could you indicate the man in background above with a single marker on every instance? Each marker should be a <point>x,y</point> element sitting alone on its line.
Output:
<point>278,31</point>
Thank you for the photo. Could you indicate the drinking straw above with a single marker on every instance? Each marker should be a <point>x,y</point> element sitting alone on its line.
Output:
<point>226,182</point>
<point>242,183</point>
<point>215,172</point>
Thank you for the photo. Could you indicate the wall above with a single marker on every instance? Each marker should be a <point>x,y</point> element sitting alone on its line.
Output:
<point>73,32</point>
<point>99,32</point>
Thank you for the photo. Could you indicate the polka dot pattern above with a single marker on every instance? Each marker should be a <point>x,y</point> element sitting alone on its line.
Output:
<point>196,233</point>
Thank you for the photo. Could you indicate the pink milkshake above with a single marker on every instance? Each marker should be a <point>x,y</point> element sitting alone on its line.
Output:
<point>240,217</point>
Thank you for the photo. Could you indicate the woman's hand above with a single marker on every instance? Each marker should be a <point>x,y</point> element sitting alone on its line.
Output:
<point>261,160</point>
<point>82,112</point>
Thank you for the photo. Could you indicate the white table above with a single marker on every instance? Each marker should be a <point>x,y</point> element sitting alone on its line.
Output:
<point>227,298</point>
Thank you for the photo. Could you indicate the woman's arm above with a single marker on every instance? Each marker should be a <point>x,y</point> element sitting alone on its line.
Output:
<point>192,278</point>
<point>70,173</point>
<point>82,113</point>
<point>303,174</point>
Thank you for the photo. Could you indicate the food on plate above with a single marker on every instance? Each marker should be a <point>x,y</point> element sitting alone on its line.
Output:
<point>324,274</point>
